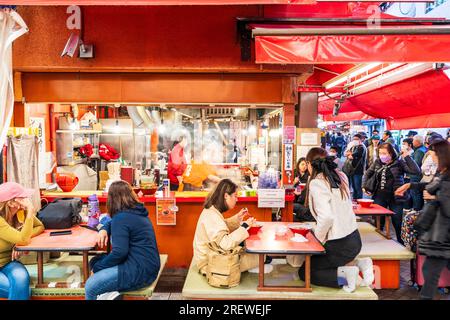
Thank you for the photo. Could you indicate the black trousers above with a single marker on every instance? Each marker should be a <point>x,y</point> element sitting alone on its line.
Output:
<point>431,269</point>
<point>338,253</point>
<point>390,203</point>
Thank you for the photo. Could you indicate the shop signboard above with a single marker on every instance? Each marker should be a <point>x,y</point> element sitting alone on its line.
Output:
<point>166,212</point>
<point>289,134</point>
<point>288,157</point>
<point>271,198</point>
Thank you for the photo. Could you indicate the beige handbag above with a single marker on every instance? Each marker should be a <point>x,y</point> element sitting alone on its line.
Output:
<point>223,268</point>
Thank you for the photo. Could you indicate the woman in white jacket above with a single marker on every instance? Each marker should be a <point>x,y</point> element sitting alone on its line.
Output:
<point>330,203</point>
<point>226,233</point>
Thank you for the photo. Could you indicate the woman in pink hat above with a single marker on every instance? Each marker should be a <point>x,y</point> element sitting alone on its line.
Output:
<point>18,224</point>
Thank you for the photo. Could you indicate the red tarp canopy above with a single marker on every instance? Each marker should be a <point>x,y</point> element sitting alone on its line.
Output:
<point>351,49</point>
<point>419,102</point>
<point>347,116</point>
<point>153,2</point>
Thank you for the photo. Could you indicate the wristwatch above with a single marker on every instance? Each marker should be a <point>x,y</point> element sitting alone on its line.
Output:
<point>245,225</point>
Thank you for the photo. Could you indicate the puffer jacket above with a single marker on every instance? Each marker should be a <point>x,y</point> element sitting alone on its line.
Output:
<point>398,169</point>
<point>435,242</point>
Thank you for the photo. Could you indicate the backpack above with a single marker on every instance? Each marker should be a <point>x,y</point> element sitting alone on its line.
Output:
<point>223,266</point>
<point>62,213</point>
<point>408,232</point>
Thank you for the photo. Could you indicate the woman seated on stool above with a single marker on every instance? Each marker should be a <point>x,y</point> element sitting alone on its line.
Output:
<point>134,261</point>
<point>226,233</point>
<point>330,204</point>
<point>18,224</point>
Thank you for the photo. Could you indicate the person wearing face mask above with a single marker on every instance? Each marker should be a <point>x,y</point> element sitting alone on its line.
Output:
<point>433,223</point>
<point>385,176</point>
<point>356,160</point>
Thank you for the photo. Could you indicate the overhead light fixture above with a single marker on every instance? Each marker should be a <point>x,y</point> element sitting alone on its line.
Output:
<point>402,73</point>
<point>349,74</point>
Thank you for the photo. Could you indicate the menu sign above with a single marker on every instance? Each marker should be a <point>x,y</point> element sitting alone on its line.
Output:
<point>288,157</point>
<point>166,210</point>
<point>271,198</point>
<point>289,134</point>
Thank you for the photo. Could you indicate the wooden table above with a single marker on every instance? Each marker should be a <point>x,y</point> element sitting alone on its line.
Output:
<point>267,242</point>
<point>81,240</point>
<point>377,211</point>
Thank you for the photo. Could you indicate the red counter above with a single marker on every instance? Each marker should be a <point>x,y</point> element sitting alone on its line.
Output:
<point>176,241</point>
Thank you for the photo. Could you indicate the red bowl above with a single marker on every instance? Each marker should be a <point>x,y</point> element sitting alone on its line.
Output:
<point>301,231</point>
<point>149,191</point>
<point>254,229</point>
<point>365,203</point>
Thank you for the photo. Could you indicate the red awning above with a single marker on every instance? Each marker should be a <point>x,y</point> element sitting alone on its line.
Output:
<point>347,116</point>
<point>440,120</point>
<point>419,102</point>
<point>351,49</point>
<point>153,2</point>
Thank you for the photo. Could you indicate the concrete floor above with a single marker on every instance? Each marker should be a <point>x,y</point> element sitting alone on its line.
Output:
<point>171,283</point>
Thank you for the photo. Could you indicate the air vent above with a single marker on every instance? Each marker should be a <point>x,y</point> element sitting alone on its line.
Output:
<point>220,112</point>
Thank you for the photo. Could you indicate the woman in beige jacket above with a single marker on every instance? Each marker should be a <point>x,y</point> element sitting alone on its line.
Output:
<point>226,233</point>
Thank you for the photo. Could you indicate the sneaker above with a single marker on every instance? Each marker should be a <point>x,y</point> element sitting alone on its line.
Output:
<point>268,268</point>
<point>114,295</point>
<point>365,265</point>
<point>351,275</point>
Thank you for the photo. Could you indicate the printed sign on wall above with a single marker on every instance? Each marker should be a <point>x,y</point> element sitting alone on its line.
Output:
<point>288,157</point>
<point>166,212</point>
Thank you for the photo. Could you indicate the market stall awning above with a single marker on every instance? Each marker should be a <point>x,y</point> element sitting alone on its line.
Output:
<point>352,45</point>
<point>348,116</point>
<point>418,102</point>
<point>440,120</point>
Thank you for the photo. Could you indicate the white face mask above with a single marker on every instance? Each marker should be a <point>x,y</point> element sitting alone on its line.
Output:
<point>332,154</point>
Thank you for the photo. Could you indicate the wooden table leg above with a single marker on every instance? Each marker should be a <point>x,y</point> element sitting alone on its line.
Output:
<point>308,272</point>
<point>40,267</point>
<point>388,227</point>
<point>378,222</point>
<point>85,266</point>
<point>261,271</point>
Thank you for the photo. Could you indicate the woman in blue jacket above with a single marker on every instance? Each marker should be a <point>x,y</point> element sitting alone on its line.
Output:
<point>134,261</point>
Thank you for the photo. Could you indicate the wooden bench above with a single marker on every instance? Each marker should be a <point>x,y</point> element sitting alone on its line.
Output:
<point>386,255</point>
<point>196,287</point>
<point>69,269</point>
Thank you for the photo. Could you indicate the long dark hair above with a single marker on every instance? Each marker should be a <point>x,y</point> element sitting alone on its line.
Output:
<point>321,163</point>
<point>442,150</point>
<point>216,197</point>
<point>297,170</point>
<point>120,197</point>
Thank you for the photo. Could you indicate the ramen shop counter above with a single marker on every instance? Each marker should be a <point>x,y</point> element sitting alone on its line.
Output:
<point>176,240</point>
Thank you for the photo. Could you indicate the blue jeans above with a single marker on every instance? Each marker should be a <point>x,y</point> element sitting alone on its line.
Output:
<point>105,280</point>
<point>356,183</point>
<point>14,282</point>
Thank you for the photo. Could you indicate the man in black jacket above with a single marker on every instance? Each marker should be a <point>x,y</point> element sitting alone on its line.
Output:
<point>357,155</point>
